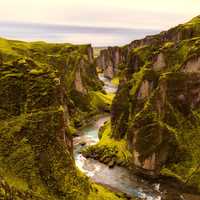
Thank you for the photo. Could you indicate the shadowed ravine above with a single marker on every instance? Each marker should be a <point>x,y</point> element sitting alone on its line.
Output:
<point>118,179</point>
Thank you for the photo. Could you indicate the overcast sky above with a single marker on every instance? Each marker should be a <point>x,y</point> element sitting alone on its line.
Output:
<point>155,14</point>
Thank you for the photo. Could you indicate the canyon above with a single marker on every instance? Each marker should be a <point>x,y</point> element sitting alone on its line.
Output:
<point>146,95</point>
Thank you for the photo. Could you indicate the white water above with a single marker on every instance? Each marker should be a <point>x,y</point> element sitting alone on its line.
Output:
<point>108,86</point>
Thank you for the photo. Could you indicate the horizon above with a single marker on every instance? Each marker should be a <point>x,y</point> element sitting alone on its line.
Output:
<point>54,33</point>
<point>99,22</point>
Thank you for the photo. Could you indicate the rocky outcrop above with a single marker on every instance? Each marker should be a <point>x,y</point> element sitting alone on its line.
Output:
<point>156,108</point>
<point>90,54</point>
<point>109,60</point>
<point>78,82</point>
<point>159,63</point>
<point>145,90</point>
<point>192,65</point>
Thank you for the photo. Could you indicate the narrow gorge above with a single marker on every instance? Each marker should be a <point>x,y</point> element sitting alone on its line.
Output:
<point>123,124</point>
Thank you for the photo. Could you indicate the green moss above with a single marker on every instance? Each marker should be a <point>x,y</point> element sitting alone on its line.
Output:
<point>120,145</point>
<point>144,53</point>
<point>101,193</point>
<point>72,129</point>
<point>194,22</point>
<point>100,100</point>
<point>188,168</point>
<point>169,173</point>
<point>168,45</point>
<point>109,150</point>
<point>16,75</point>
<point>36,71</point>
<point>115,81</point>
<point>120,112</point>
<point>137,80</point>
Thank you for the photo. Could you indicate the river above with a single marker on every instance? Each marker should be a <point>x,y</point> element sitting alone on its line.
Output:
<point>118,178</point>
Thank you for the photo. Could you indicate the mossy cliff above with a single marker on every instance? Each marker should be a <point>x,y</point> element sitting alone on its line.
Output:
<point>74,64</point>
<point>156,108</point>
<point>40,84</point>
<point>113,59</point>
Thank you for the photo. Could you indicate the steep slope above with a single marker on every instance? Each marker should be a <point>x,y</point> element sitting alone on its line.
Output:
<point>73,63</point>
<point>156,108</point>
<point>108,61</point>
<point>39,87</point>
<point>113,59</point>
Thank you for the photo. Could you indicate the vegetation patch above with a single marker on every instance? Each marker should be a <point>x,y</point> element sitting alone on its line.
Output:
<point>101,101</point>
<point>115,81</point>
<point>109,151</point>
<point>101,193</point>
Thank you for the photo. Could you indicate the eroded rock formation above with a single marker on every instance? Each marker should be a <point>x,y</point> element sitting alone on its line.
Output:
<point>108,61</point>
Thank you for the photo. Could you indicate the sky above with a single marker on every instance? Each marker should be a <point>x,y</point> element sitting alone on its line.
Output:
<point>152,14</point>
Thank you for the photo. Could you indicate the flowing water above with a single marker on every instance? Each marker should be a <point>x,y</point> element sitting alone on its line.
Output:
<point>108,86</point>
<point>118,178</point>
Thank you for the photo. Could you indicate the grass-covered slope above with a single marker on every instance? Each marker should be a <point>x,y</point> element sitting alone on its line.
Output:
<point>73,63</point>
<point>156,108</point>
<point>35,144</point>
<point>39,87</point>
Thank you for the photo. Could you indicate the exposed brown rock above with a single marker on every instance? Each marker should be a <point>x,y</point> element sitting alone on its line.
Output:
<point>192,65</point>
<point>109,60</point>
<point>160,62</point>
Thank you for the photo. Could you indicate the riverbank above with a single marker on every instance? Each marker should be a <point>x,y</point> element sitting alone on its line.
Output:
<point>119,179</point>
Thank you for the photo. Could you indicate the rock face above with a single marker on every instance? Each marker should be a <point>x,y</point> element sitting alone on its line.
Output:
<point>90,54</point>
<point>37,82</point>
<point>192,65</point>
<point>109,60</point>
<point>115,58</point>
<point>157,104</point>
<point>78,82</point>
<point>160,62</point>
<point>156,131</point>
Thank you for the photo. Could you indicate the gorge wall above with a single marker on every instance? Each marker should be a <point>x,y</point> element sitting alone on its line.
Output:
<point>156,109</point>
<point>109,60</point>
<point>44,94</point>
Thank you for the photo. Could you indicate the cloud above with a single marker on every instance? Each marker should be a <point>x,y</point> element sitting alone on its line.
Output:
<point>114,13</point>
